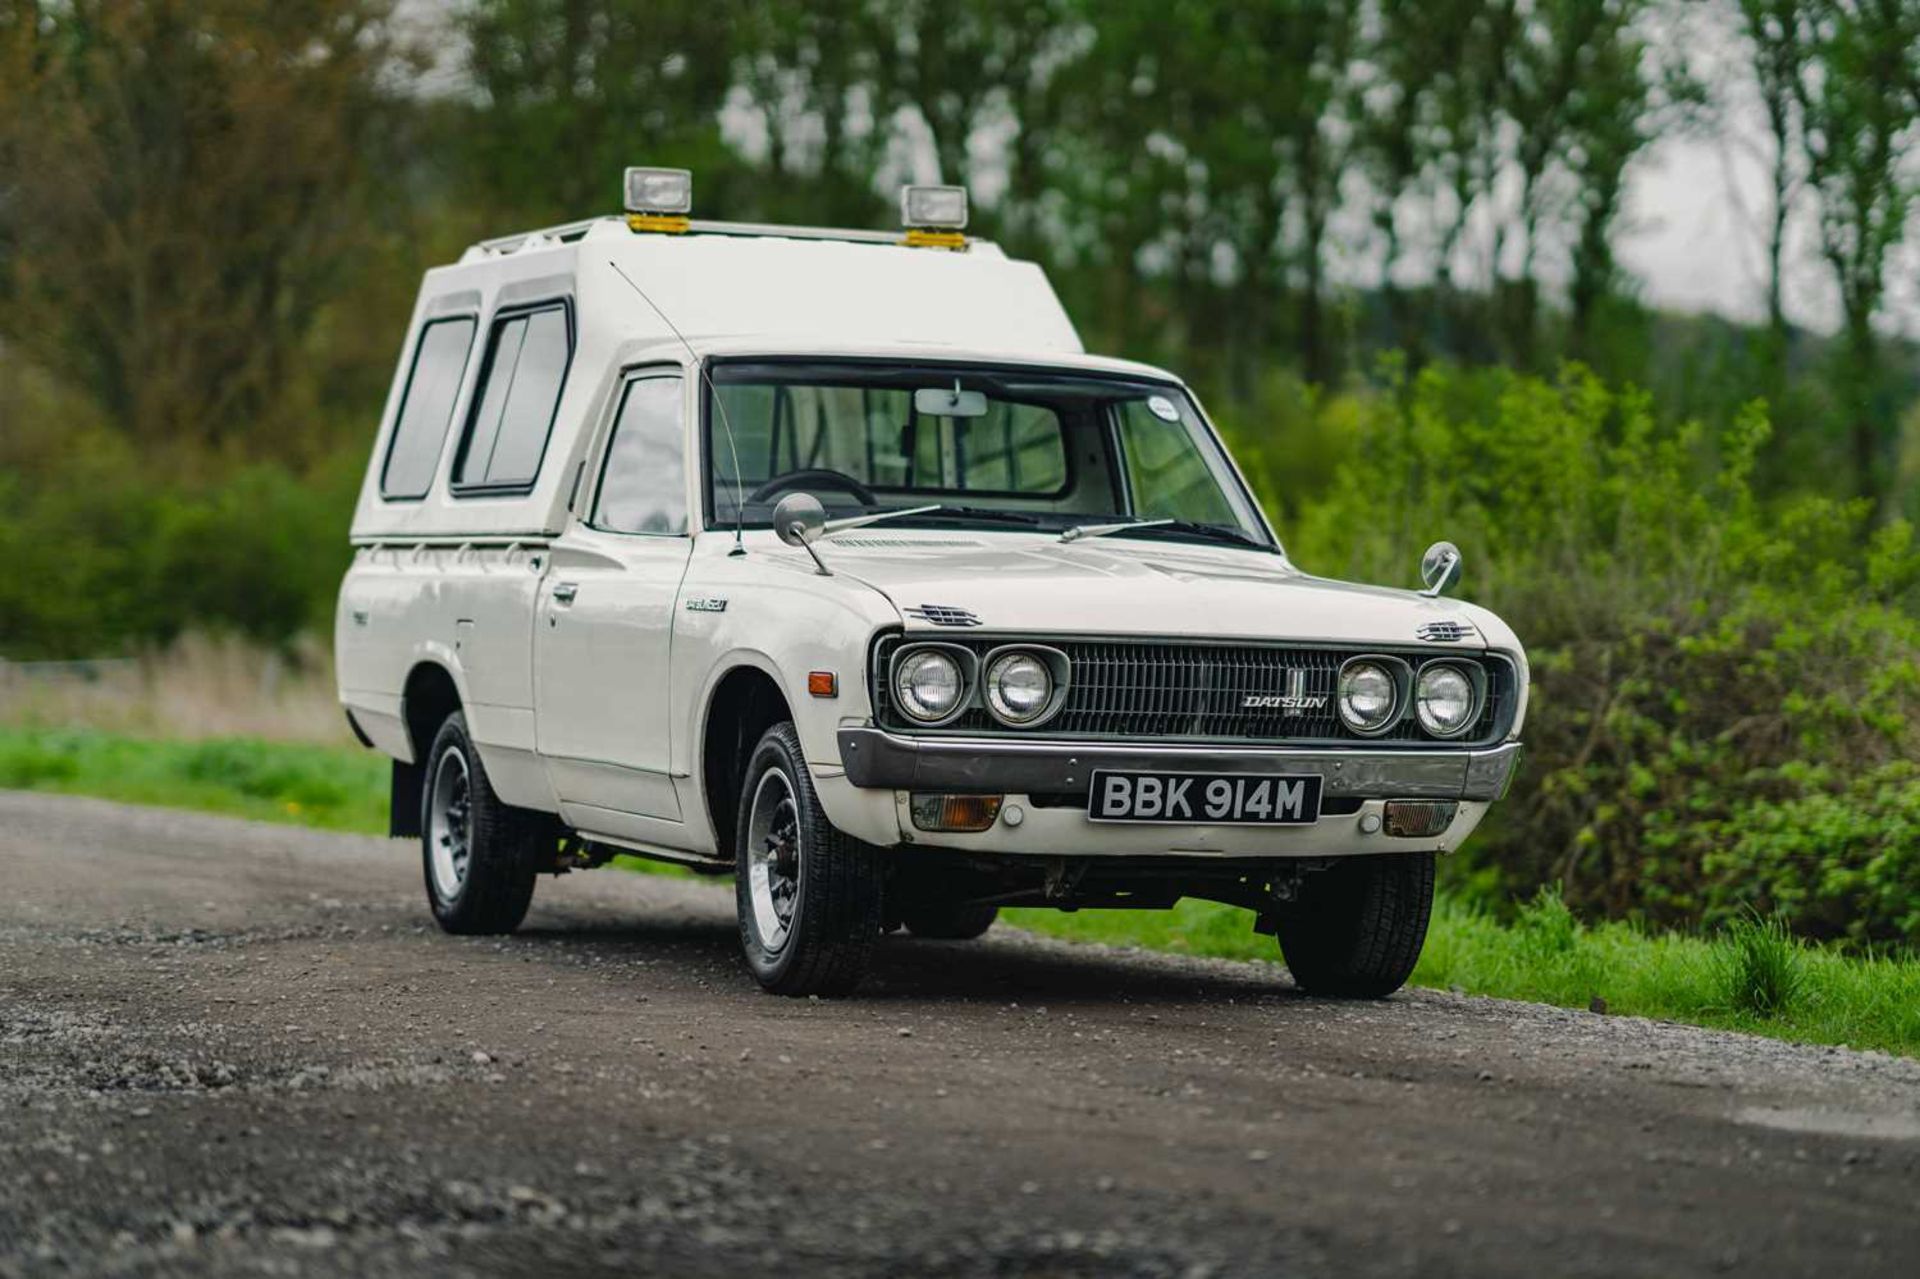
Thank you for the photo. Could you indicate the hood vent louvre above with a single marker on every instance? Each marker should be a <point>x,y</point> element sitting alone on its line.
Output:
<point>1443,632</point>
<point>900,543</point>
<point>942,615</point>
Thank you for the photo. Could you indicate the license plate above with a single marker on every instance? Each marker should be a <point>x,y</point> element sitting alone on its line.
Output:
<point>1260,799</point>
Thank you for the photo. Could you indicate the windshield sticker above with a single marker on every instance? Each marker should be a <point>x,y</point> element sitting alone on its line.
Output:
<point>1161,407</point>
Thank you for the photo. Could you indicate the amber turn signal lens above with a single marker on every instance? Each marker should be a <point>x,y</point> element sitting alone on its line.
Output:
<point>954,812</point>
<point>823,683</point>
<point>1418,818</point>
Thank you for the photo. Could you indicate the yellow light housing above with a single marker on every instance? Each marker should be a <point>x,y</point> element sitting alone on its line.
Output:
<point>670,223</point>
<point>918,239</point>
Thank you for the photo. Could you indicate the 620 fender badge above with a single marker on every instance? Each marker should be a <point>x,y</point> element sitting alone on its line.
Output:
<point>707,604</point>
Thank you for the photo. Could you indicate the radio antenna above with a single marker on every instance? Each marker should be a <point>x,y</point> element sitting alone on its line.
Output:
<point>739,507</point>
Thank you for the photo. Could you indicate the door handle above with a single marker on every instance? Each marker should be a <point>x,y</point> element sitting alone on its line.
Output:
<point>563,592</point>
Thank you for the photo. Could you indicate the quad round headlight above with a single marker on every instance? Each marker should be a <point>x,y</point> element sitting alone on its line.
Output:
<point>1369,697</point>
<point>928,684</point>
<point>1019,687</point>
<point>1444,698</point>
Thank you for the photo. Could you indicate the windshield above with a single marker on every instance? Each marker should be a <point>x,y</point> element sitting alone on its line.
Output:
<point>998,448</point>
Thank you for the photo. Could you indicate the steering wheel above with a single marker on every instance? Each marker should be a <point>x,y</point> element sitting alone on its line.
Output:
<point>818,477</point>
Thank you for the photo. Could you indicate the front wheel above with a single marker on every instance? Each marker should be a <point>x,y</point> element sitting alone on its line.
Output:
<point>479,853</point>
<point>808,897</point>
<point>1357,928</point>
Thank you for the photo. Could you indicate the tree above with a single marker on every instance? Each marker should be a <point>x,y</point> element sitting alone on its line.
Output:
<point>1855,97</point>
<point>1777,36</point>
<point>958,65</point>
<point>809,71</point>
<point>1468,155</point>
<point>1420,53</point>
<point>1210,142</point>
<point>1575,101</point>
<point>1322,46</point>
<point>176,205</point>
<point>572,91</point>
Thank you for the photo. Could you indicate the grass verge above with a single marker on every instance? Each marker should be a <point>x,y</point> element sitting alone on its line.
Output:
<point>330,787</point>
<point>1755,977</point>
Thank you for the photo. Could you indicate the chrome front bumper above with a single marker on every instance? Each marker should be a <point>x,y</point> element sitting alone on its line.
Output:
<point>876,758</point>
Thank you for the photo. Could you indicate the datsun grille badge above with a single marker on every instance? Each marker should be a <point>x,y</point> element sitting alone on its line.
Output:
<point>1295,701</point>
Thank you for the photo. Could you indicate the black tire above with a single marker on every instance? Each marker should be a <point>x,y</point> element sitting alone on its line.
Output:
<point>489,892</point>
<point>1357,929</point>
<point>944,921</point>
<point>828,884</point>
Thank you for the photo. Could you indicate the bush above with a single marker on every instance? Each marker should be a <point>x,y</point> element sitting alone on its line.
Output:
<point>1725,691</point>
<point>1841,860</point>
<point>102,558</point>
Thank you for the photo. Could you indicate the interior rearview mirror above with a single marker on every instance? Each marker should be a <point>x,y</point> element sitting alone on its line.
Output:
<point>1440,567</point>
<point>949,401</point>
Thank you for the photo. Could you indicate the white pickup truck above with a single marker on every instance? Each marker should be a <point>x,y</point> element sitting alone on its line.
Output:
<point>829,560</point>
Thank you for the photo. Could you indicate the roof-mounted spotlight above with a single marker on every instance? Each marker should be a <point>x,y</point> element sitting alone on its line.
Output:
<point>935,217</point>
<point>659,199</point>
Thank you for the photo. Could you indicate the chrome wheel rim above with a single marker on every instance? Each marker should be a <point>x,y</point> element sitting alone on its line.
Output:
<point>449,830</point>
<point>773,858</point>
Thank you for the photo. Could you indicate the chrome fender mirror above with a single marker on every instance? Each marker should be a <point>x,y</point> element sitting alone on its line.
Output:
<point>1440,567</point>
<point>798,520</point>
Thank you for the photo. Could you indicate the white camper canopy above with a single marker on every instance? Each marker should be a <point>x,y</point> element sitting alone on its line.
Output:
<point>715,283</point>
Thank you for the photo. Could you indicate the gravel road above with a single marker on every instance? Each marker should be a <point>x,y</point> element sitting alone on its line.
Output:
<point>231,1048</point>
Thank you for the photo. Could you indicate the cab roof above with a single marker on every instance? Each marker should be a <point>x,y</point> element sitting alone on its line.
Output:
<point>907,352</point>
<point>722,280</point>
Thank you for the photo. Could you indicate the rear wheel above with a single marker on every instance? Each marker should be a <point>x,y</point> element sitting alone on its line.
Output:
<point>1357,928</point>
<point>947,922</point>
<point>808,897</point>
<point>478,853</point>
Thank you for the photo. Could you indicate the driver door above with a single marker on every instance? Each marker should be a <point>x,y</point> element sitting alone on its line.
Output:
<point>605,623</point>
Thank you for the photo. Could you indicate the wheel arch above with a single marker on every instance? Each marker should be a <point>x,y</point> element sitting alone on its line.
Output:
<point>430,694</point>
<point>745,702</point>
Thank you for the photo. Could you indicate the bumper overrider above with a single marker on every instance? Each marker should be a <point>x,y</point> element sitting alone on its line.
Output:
<point>876,758</point>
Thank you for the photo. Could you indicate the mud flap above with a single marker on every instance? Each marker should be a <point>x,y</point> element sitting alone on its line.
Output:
<point>403,800</point>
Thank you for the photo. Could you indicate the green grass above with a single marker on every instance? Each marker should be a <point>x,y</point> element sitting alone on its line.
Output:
<point>325,786</point>
<point>1754,977</point>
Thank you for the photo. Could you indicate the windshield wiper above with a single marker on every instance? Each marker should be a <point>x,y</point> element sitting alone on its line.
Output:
<point>981,513</point>
<point>874,517</point>
<point>1215,532</point>
<point>1079,531</point>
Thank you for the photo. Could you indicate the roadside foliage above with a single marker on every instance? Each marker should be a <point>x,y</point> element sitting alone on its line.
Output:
<point>1726,700</point>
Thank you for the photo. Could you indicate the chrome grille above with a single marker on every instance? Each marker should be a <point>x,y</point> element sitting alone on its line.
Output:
<point>1129,690</point>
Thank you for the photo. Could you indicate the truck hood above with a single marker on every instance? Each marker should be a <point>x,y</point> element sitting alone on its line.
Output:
<point>1124,586</point>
